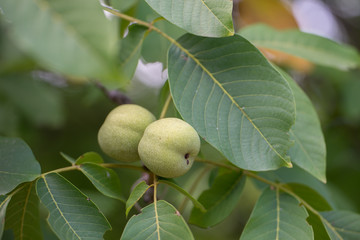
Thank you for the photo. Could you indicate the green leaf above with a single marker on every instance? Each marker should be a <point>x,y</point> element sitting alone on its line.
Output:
<point>342,225</point>
<point>220,200</point>
<point>309,151</point>
<point>104,179</point>
<point>135,195</point>
<point>22,215</point>
<point>277,215</point>
<point>40,103</point>
<point>69,37</point>
<point>89,157</point>
<point>211,18</point>
<point>4,201</point>
<point>72,214</point>
<point>123,5</point>
<point>131,49</point>
<point>159,220</point>
<point>309,195</point>
<point>17,164</point>
<point>318,227</point>
<point>68,158</point>
<point>233,97</point>
<point>311,47</point>
<point>196,203</point>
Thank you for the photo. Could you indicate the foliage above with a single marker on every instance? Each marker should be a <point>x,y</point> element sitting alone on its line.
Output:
<point>263,147</point>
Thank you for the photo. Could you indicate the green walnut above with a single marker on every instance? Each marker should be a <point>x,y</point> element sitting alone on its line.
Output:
<point>168,147</point>
<point>122,130</point>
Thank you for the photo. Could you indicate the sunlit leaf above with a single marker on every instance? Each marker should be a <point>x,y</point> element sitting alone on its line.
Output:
<point>196,203</point>
<point>22,215</point>
<point>104,179</point>
<point>89,157</point>
<point>135,195</point>
<point>159,220</point>
<point>17,164</point>
<point>314,48</point>
<point>234,98</point>
<point>277,215</point>
<point>308,151</point>
<point>342,225</point>
<point>211,18</point>
<point>220,200</point>
<point>4,201</point>
<point>72,214</point>
<point>69,37</point>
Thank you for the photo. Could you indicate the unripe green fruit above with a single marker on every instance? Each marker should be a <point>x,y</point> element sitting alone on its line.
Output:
<point>169,146</point>
<point>122,130</point>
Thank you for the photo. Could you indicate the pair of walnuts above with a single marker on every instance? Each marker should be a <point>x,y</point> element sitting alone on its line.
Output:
<point>167,146</point>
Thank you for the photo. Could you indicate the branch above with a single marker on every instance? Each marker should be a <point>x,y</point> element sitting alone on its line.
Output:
<point>114,95</point>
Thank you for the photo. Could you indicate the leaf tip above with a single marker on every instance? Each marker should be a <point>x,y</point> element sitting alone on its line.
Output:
<point>322,179</point>
<point>289,165</point>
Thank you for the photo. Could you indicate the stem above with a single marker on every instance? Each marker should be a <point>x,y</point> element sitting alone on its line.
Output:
<point>108,165</point>
<point>140,22</point>
<point>218,164</point>
<point>165,107</point>
<point>116,165</point>
<point>155,207</point>
<point>65,169</point>
<point>193,187</point>
<point>271,183</point>
<point>288,191</point>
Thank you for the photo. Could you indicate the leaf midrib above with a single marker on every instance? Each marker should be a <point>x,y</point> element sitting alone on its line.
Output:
<point>230,97</point>
<point>57,207</point>
<point>22,220</point>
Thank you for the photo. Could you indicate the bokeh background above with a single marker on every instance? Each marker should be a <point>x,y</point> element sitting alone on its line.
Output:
<point>53,114</point>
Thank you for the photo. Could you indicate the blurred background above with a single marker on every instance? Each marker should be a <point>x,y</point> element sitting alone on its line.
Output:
<point>53,114</point>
